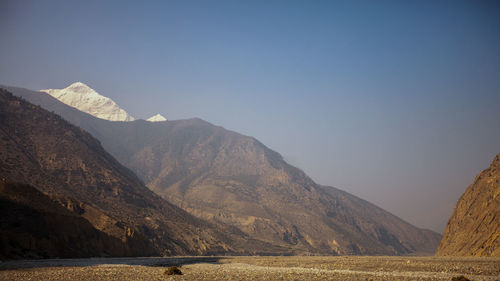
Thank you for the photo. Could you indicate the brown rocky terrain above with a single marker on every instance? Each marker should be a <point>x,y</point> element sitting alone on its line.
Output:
<point>226,177</point>
<point>231,179</point>
<point>69,166</point>
<point>34,226</point>
<point>474,227</point>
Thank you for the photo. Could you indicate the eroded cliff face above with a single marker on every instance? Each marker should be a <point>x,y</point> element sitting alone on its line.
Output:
<point>474,227</point>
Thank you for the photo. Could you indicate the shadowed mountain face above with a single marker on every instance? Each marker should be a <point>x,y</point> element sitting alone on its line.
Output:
<point>70,166</point>
<point>474,227</point>
<point>34,226</point>
<point>229,178</point>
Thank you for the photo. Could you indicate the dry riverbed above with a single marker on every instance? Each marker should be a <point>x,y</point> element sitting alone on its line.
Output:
<point>255,268</point>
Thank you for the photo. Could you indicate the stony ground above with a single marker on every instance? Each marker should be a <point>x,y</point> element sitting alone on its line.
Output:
<point>256,268</point>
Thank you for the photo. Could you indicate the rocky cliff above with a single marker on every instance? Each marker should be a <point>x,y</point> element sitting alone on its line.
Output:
<point>474,227</point>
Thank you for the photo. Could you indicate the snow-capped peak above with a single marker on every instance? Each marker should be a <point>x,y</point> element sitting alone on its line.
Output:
<point>79,86</point>
<point>157,118</point>
<point>86,99</point>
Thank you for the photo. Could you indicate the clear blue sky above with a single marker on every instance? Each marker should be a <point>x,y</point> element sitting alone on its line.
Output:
<point>397,102</point>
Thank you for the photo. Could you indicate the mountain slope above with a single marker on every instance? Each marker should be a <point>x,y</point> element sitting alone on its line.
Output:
<point>34,226</point>
<point>474,227</point>
<point>67,164</point>
<point>233,179</point>
<point>86,99</point>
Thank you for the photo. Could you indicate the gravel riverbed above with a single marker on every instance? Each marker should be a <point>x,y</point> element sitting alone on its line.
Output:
<point>255,268</point>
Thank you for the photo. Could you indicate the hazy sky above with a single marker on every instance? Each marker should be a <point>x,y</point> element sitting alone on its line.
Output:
<point>397,102</point>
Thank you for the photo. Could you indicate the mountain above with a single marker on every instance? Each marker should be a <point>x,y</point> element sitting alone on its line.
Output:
<point>86,99</point>
<point>157,118</point>
<point>474,227</point>
<point>69,166</point>
<point>232,179</point>
<point>34,226</point>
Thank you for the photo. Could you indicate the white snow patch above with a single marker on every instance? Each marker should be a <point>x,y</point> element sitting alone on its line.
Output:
<point>157,118</point>
<point>86,99</point>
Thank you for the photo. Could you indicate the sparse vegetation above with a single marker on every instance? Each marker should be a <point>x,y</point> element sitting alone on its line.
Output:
<point>173,270</point>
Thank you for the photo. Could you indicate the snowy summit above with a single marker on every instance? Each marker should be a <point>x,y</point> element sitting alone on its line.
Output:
<point>86,99</point>
<point>157,118</point>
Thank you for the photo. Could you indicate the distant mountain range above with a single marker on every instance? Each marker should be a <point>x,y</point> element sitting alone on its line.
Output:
<point>474,227</point>
<point>235,181</point>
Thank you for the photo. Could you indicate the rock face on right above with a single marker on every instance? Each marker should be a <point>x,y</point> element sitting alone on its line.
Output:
<point>474,227</point>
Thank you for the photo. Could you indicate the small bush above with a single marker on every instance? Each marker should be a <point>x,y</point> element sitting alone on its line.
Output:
<point>460,278</point>
<point>173,270</point>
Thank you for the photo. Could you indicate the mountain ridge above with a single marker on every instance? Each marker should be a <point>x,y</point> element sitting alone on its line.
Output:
<point>233,179</point>
<point>68,165</point>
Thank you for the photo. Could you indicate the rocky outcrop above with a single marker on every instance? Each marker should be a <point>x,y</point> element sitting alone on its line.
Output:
<point>474,227</point>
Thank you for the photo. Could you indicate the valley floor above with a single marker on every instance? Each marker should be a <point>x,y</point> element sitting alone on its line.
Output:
<point>255,268</point>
